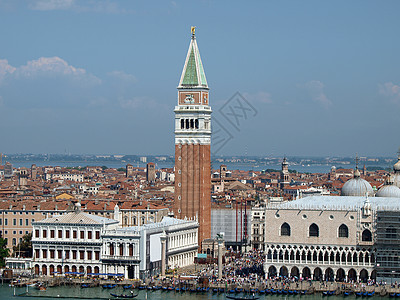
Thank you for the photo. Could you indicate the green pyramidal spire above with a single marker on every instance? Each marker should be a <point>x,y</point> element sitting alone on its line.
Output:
<point>193,72</point>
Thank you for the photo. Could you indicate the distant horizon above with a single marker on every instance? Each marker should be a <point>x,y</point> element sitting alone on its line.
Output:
<point>266,156</point>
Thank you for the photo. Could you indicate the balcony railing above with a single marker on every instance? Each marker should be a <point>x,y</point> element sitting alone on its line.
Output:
<point>120,257</point>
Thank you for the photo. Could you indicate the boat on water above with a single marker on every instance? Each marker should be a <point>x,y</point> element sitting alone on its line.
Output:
<point>40,286</point>
<point>328,293</point>
<point>122,296</point>
<point>242,298</point>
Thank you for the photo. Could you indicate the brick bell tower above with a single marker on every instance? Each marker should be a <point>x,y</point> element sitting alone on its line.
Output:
<point>192,144</point>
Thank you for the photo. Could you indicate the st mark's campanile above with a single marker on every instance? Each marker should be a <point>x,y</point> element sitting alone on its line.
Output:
<point>192,144</point>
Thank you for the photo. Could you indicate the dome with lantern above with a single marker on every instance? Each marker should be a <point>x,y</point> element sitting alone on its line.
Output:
<point>389,189</point>
<point>357,186</point>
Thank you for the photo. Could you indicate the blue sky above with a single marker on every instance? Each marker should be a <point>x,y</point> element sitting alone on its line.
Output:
<point>101,76</point>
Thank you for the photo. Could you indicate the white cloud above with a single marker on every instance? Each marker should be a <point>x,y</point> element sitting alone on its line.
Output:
<point>121,75</point>
<point>53,65</point>
<point>52,4</point>
<point>316,90</point>
<point>262,97</point>
<point>98,6</point>
<point>45,66</point>
<point>391,90</point>
<point>5,69</point>
<point>136,102</point>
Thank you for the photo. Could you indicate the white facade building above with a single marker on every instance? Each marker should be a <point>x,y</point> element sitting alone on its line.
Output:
<point>85,244</point>
<point>69,243</point>
<point>64,176</point>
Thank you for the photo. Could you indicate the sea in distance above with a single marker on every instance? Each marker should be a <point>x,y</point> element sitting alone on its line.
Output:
<point>7,293</point>
<point>159,165</point>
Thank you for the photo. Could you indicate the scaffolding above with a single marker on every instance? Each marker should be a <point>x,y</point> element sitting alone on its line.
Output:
<point>388,244</point>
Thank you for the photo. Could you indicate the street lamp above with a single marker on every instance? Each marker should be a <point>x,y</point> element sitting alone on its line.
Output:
<point>391,279</point>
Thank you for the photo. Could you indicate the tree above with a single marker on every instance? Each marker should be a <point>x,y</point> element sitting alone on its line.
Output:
<point>4,251</point>
<point>24,248</point>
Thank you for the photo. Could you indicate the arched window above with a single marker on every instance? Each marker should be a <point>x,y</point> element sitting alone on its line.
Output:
<point>285,229</point>
<point>182,123</point>
<point>343,231</point>
<point>366,236</point>
<point>187,123</point>
<point>314,230</point>
<point>191,123</point>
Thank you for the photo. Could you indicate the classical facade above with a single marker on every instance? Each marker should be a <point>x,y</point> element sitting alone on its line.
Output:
<point>181,244</point>
<point>120,252</point>
<point>86,244</point>
<point>69,243</point>
<point>192,144</point>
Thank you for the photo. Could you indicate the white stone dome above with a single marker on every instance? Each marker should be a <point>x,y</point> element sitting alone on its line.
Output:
<point>396,166</point>
<point>390,191</point>
<point>396,179</point>
<point>357,187</point>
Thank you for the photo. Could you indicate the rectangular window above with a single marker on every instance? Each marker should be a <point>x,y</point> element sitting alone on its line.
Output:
<point>44,253</point>
<point>37,233</point>
<point>73,254</point>
<point>97,235</point>
<point>89,255</point>
<point>1,222</point>
<point>74,234</point>
<point>66,254</point>
<point>21,222</point>
<point>52,254</point>
<point>44,233</point>
<point>52,233</point>
<point>97,255</point>
<point>82,235</point>
<point>26,222</point>
<point>5,222</point>
<point>82,255</point>
<point>15,222</point>
<point>37,253</point>
<point>60,234</point>
<point>89,235</point>
<point>67,234</point>
<point>59,254</point>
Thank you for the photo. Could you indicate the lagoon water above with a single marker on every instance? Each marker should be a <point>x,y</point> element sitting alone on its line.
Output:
<point>6,293</point>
